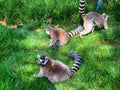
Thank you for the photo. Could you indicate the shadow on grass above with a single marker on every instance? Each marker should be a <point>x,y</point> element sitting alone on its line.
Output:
<point>41,84</point>
<point>112,36</point>
<point>53,50</point>
<point>17,83</point>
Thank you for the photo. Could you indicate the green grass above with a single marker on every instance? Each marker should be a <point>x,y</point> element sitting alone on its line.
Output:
<point>19,48</point>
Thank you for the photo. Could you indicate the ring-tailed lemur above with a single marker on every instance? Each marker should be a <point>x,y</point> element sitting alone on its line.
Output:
<point>55,70</point>
<point>92,19</point>
<point>59,36</point>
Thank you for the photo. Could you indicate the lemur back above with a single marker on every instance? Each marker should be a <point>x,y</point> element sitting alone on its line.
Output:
<point>55,70</point>
<point>92,19</point>
<point>59,36</point>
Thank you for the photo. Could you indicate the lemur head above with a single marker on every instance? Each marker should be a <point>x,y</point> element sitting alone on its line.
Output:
<point>42,60</point>
<point>48,29</point>
<point>105,16</point>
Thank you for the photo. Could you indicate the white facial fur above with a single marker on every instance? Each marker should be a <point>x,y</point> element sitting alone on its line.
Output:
<point>42,62</point>
<point>47,31</point>
<point>39,61</point>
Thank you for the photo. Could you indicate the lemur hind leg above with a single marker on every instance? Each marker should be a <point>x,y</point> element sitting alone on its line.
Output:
<point>86,31</point>
<point>105,25</point>
<point>93,29</point>
<point>88,27</point>
<point>52,42</point>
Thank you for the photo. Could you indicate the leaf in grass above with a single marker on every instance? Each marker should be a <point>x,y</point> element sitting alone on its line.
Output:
<point>3,22</point>
<point>56,26</point>
<point>49,20</point>
<point>13,27</point>
<point>36,50</point>
<point>38,30</point>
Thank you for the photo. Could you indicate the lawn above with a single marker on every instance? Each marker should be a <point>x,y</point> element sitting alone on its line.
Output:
<point>19,47</point>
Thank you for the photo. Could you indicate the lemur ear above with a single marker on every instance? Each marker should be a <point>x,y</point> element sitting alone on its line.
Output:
<point>38,56</point>
<point>46,58</point>
<point>105,16</point>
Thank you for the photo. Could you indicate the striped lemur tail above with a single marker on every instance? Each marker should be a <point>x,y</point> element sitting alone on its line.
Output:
<point>75,31</point>
<point>81,8</point>
<point>76,64</point>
